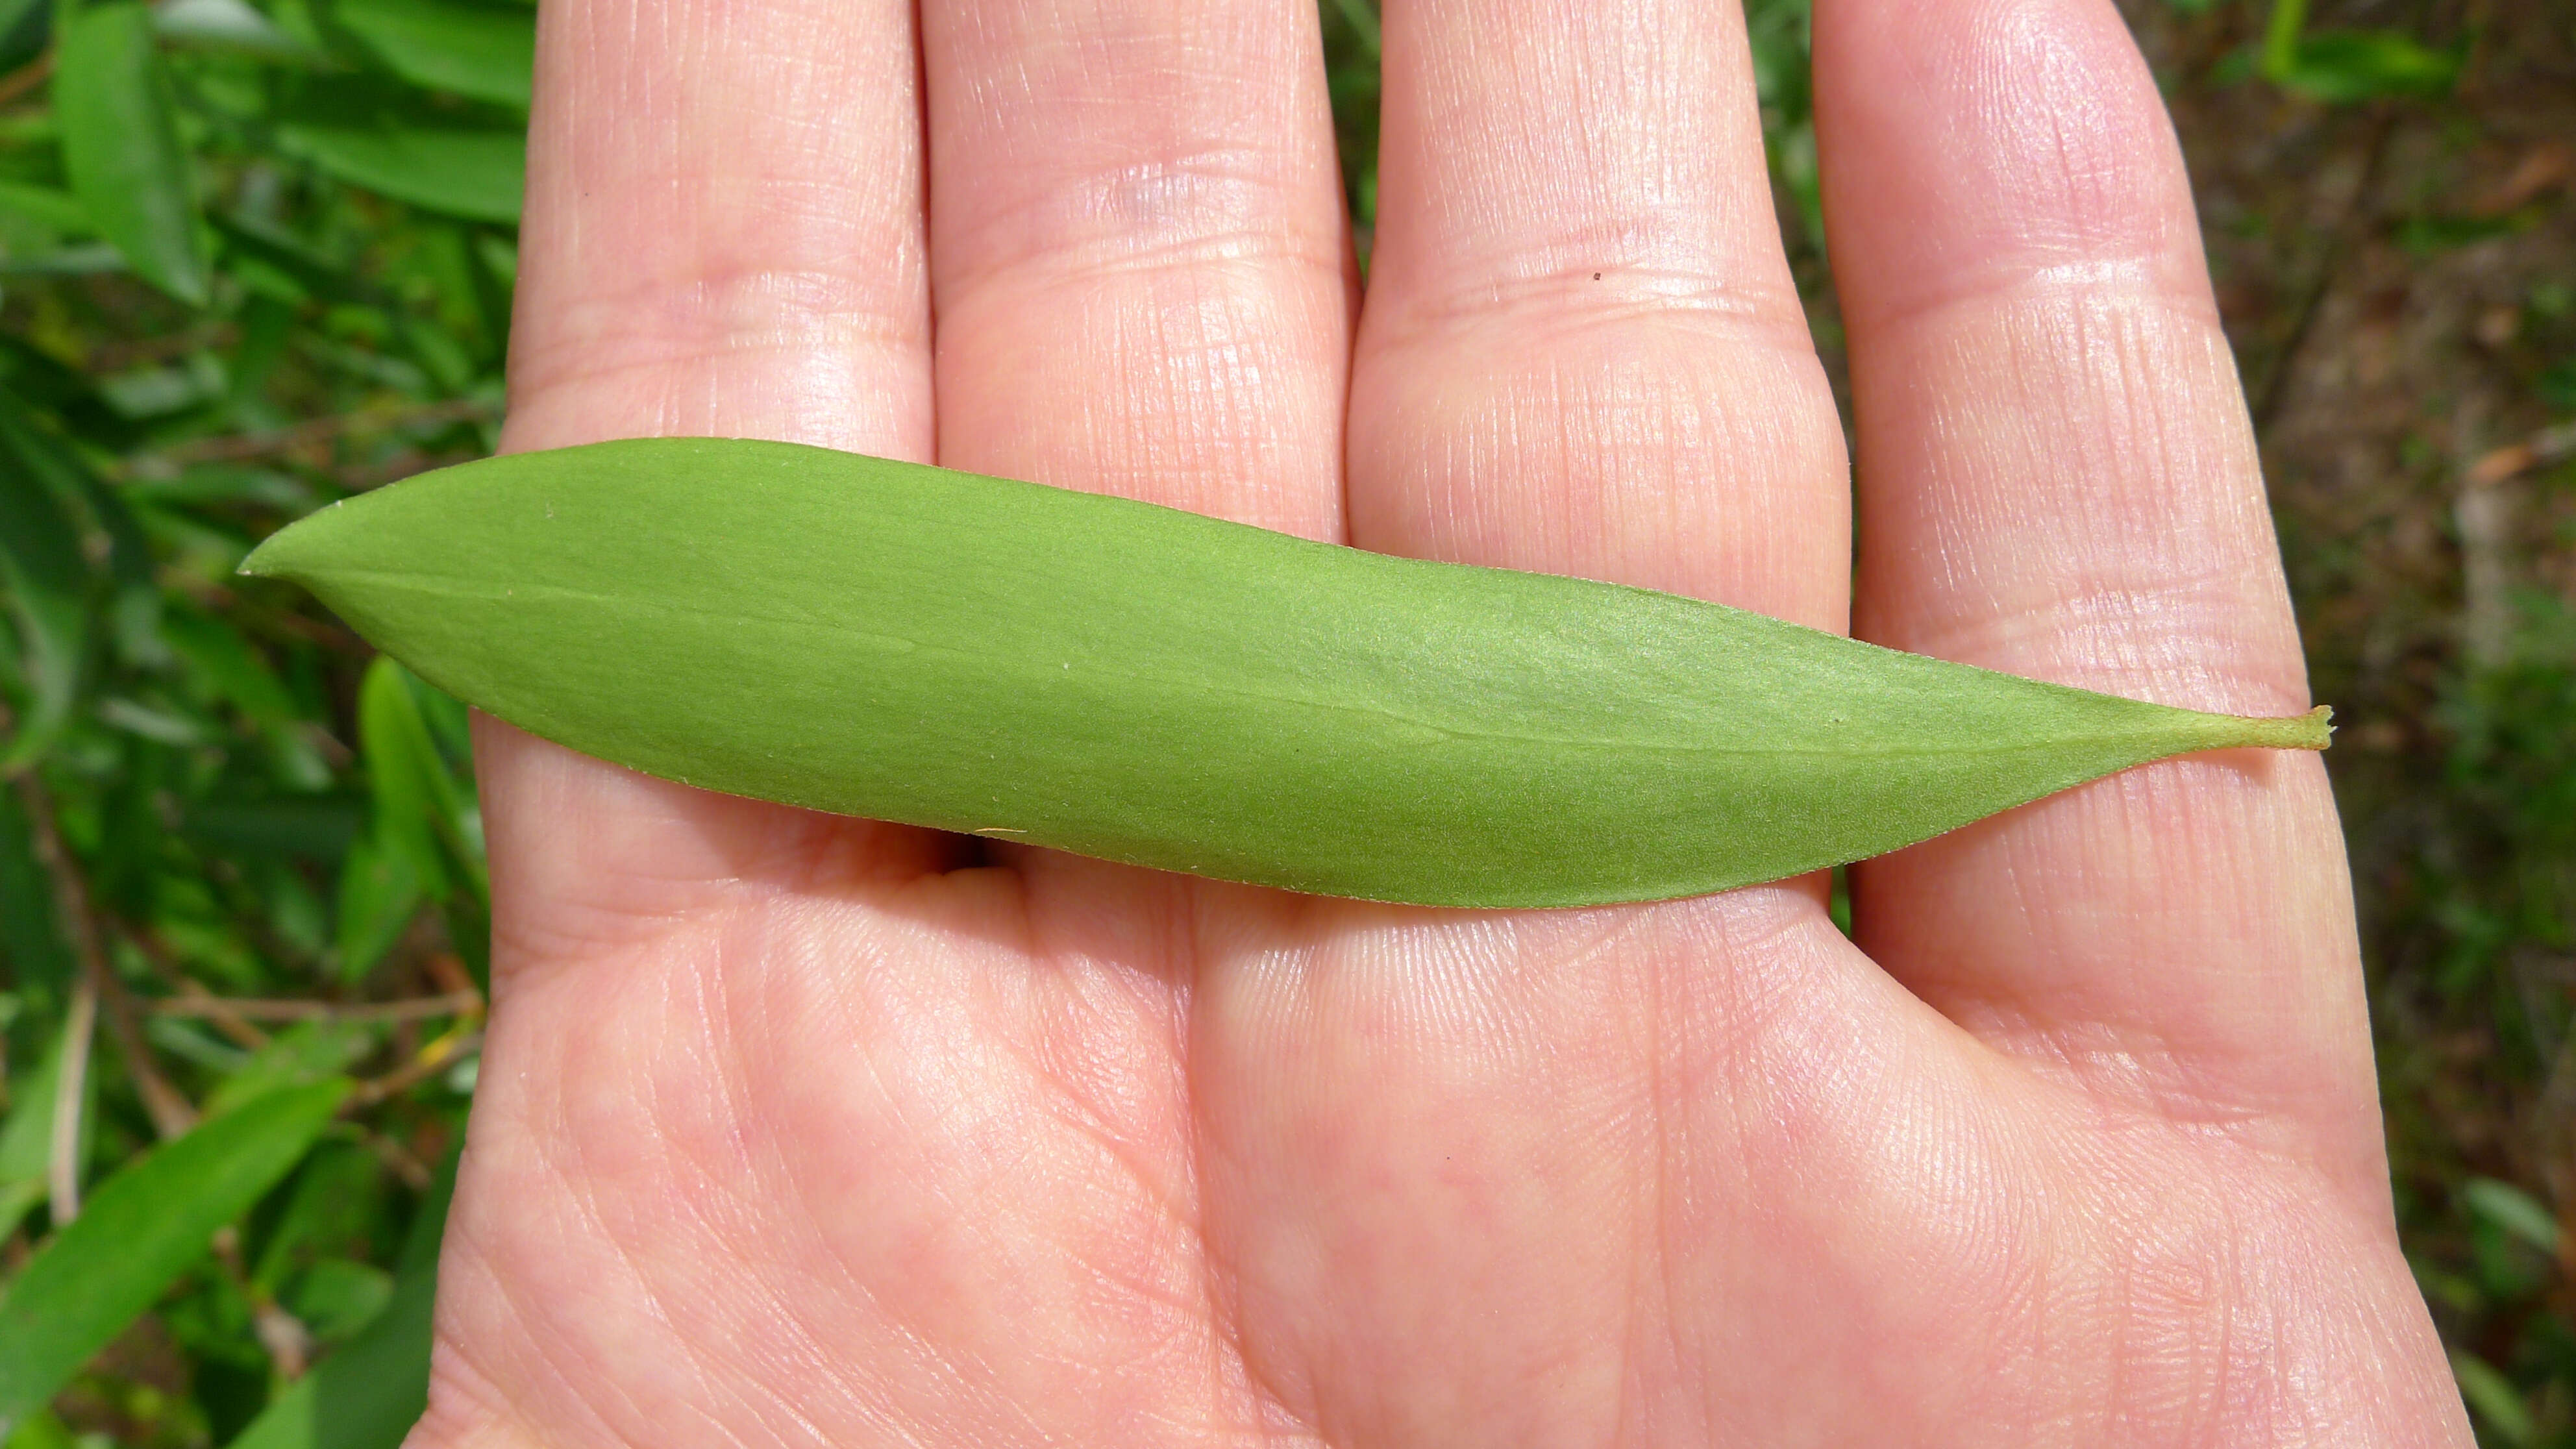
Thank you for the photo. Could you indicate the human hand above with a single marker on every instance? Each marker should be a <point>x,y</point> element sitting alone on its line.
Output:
<point>797,1129</point>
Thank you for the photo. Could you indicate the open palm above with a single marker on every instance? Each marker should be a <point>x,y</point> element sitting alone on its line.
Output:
<point>804,1130</point>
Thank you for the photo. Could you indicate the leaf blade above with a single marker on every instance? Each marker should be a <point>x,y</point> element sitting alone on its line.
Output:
<point>139,1231</point>
<point>479,175</point>
<point>1146,685</point>
<point>121,145</point>
<point>48,583</point>
<point>484,54</point>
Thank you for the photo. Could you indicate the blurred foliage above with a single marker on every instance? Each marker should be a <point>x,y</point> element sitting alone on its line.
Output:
<point>2483,939</point>
<point>256,256</point>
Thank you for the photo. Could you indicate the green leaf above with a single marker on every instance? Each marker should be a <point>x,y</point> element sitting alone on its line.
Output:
<point>2360,65</point>
<point>48,583</point>
<point>2349,65</point>
<point>423,842</point>
<point>31,939</point>
<point>47,206</point>
<point>224,667</point>
<point>319,831</point>
<point>43,1430</point>
<point>473,174</point>
<point>2498,1403</point>
<point>227,25</point>
<point>39,380</point>
<point>306,1053</point>
<point>380,891</point>
<point>137,605</point>
<point>483,53</point>
<point>336,1297</point>
<point>420,808</point>
<point>403,771</point>
<point>2515,1211</point>
<point>24,27</point>
<point>366,1395</point>
<point>328,1212</point>
<point>138,1232</point>
<point>27,1139</point>
<point>1151,686</point>
<point>121,145</point>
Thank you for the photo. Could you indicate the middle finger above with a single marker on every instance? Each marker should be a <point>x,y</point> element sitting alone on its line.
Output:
<point>1138,252</point>
<point>1583,352</point>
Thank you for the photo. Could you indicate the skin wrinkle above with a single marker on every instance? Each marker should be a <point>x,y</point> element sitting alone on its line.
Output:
<point>801,315</point>
<point>1106,242</point>
<point>2139,1062</point>
<point>815,1355</point>
<point>560,1361</point>
<point>920,1353</point>
<point>1579,285</point>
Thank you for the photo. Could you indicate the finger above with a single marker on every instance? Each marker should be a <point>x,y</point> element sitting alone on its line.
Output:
<point>1583,351</point>
<point>1139,252</point>
<point>723,237</point>
<point>2059,480</point>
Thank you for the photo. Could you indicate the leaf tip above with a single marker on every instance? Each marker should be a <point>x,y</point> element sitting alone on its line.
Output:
<point>2311,731</point>
<point>285,554</point>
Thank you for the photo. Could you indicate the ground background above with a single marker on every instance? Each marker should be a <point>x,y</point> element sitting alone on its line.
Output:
<point>256,254</point>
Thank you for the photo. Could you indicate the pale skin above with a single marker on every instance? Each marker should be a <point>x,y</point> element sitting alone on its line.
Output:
<point>804,1130</point>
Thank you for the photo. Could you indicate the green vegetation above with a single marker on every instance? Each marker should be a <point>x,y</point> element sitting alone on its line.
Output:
<point>256,256</point>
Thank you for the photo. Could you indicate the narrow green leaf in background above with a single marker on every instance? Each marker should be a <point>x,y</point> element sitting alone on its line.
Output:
<point>380,891</point>
<point>44,1430</point>
<point>486,53</point>
<point>1148,685</point>
<point>304,1054</point>
<point>366,1395</point>
<point>138,1232</point>
<point>225,668</point>
<point>419,802</point>
<point>422,844</point>
<point>18,16</point>
<point>2349,65</point>
<point>475,174</point>
<point>337,1298</point>
<point>136,610</point>
<point>2498,1403</point>
<point>2515,1211</point>
<point>27,1139</point>
<point>48,584</point>
<point>121,144</point>
<point>47,206</point>
<point>227,25</point>
<point>31,939</point>
<point>2362,65</point>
